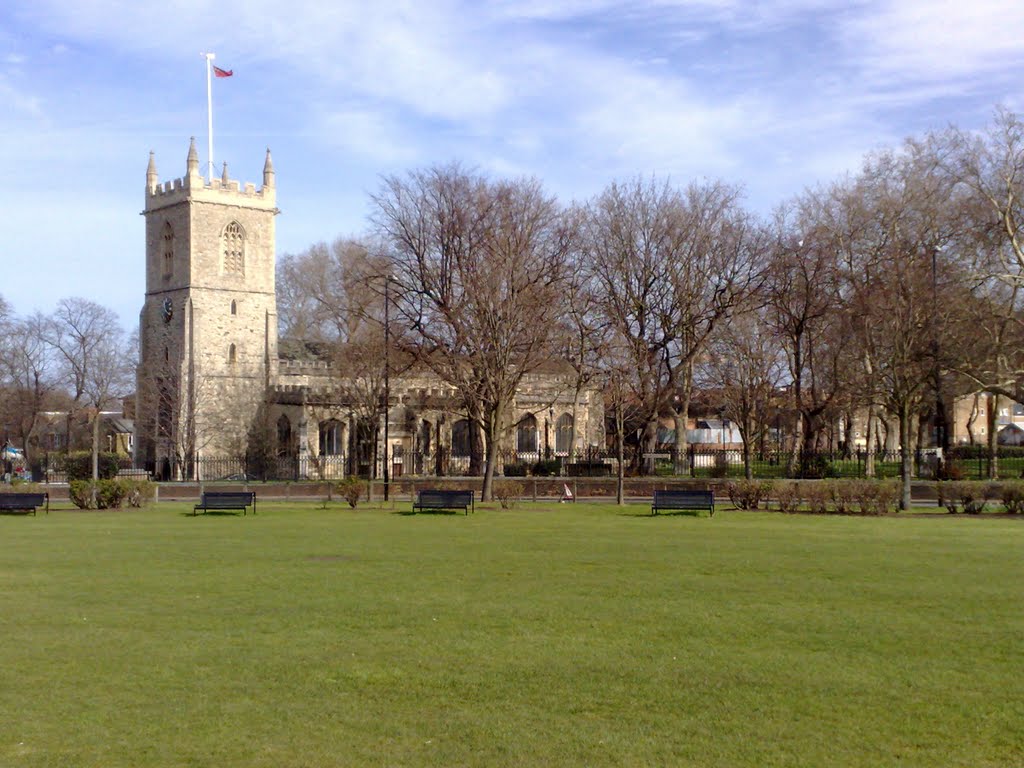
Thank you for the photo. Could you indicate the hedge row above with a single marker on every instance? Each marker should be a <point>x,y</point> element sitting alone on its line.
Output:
<point>841,497</point>
<point>110,494</point>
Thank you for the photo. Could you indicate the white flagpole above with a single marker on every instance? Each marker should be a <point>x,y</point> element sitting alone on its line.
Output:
<point>209,117</point>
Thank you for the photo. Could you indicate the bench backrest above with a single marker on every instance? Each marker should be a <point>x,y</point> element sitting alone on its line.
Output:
<point>21,500</point>
<point>431,496</point>
<point>684,497</point>
<point>232,497</point>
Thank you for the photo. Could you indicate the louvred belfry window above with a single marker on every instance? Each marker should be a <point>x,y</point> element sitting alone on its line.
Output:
<point>168,250</point>
<point>234,249</point>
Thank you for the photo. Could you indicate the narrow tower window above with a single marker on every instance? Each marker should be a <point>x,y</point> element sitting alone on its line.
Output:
<point>231,353</point>
<point>233,249</point>
<point>167,250</point>
<point>234,307</point>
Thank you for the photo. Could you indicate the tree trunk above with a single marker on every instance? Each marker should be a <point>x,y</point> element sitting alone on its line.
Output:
<point>682,417</point>
<point>572,430</point>
<point>848,436</point>
<point>490,430</point>
<point>649,445</point>
<point>477,464</point>
<point>620,451</point>
<point>95,454</point>
<point>492,455</point>
<point>748,470</point>
<point>869,455</point>
<point>906,456</point>
<point>794,449</point>
<point>96,446</point>
<point>993,437</point>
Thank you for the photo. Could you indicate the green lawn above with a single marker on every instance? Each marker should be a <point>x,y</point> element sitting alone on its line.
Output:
<point>540,636</point>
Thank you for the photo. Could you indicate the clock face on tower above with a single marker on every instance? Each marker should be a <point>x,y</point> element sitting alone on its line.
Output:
<point>168,310</point>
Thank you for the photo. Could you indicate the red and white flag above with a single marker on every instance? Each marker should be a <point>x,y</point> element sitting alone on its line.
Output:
<point>218,72</point>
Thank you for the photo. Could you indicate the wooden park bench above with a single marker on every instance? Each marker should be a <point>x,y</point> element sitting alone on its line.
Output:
<point>433,499</point>
<point>683,501</point>
<point>24,503</point>
<point>222,501</point>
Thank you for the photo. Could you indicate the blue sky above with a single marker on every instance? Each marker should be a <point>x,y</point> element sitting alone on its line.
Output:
<point>776,95</point>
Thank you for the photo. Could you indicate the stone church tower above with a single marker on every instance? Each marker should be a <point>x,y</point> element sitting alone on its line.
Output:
<point>208,329</point>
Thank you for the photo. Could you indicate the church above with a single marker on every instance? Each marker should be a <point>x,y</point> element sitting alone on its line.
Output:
<point>220,395</point>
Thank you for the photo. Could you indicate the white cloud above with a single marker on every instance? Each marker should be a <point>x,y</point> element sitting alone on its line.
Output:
<point>19,103</point>
<point>371,134</point>
<point>938,40</point>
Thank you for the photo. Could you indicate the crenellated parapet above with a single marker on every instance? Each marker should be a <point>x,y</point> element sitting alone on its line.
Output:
<point>194,187</point>
<point>304,366</point>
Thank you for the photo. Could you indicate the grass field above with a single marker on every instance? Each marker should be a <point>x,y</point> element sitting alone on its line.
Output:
<point>539,636</point>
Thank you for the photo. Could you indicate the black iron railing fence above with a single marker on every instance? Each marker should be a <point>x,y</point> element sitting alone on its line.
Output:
<point>967,462</point>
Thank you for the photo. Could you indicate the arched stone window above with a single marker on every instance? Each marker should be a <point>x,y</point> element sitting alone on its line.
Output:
<point>330,438</point>
<point>460,438</point>
<point>231,354</point>
<point>167,250</point>
<point>526,434</point>
<point>233,249</point>
<point>284,436</point>
<point>234,307</point>
<point>563,434</point>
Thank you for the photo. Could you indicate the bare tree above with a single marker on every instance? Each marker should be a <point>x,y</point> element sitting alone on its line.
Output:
<point>94,357</point>
<point>630,240</point>
<point>27,368</point>
<point>330,293</point>
<point>718,273</point>
<point>585,335</point>
<point>335,304</point>
<point>895,303</point>
<point>671,266</point>
<point>988,167</point>
<point>480,268</point>
<point>806,310</point>
<point>746,367</point>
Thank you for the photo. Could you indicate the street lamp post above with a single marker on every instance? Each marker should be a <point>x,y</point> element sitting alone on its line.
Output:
<point>939,417</point>
<point>387,384</point>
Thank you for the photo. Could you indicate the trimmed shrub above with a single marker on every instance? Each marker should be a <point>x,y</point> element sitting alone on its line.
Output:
<point>138,493</point>
<point>844,496</point>
<point>887,497</point>
<point>351,490</point>
<point>518,469</point>
<point>818,494</point>
<point>748,494</point>
<point>873,497</point>
<point>104,494</point>
<point>507,493</point>
<point>110,494</point>
<point>1012,496</point>
<point>788,496</point>
<point>80,493</point>
<point>967,497</point>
